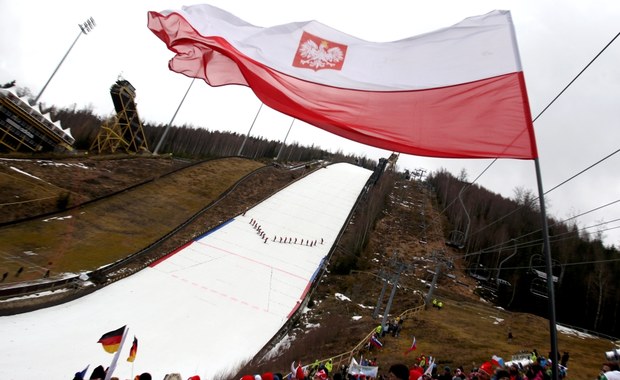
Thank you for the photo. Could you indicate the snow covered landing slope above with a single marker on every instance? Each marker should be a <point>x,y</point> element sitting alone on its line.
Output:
<point>204,309</point>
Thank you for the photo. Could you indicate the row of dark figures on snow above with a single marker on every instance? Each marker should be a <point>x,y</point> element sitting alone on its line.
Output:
<point>282,239</point>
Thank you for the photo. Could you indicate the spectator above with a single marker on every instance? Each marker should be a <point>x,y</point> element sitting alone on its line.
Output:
<point>446,374</point>
<point>320,375</point>
<point>98,373</point>
<point>459,374</point>
<point>329,365</point>
<point>514,372</point>
<point>398,372</point>
<point>534,372</point>
<point>486,371</point>
<point>610,371</point>
<point>416,372</point>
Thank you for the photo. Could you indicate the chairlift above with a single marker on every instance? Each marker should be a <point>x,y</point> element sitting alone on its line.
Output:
<point>456,239</point>
<point>480,273</point>
<point>502,282</point>
<point>538,263</point>
<point>498,280</point>
<point>538,287</point>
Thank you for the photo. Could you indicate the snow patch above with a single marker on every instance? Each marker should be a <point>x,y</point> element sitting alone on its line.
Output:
<point>25,173</point>
<point>58,218</point>
<point>342,297</point>
<point>568,331</point>
<point>282,346</point>
<point>34,295</point>
<point>497,320</point>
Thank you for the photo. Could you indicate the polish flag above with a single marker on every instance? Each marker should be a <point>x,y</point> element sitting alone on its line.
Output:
<point>458,92</point>
<point>413,346</point>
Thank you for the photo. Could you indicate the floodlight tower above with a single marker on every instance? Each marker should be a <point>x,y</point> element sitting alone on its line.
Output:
<point>85,28</point>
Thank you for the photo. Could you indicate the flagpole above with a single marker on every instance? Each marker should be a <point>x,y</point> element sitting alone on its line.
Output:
<point>112,366</point>
<point>284,142</point>
<point>550,287</point>
<point>251,126</point>
<point>163,136</point>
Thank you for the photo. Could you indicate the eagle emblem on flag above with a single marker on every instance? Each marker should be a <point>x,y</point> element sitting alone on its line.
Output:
<point>317,53</point>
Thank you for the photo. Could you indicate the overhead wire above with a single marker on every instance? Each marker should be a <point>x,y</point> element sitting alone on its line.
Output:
<point>545,193</point>
<point>494,247</point>
<point>534,120</point>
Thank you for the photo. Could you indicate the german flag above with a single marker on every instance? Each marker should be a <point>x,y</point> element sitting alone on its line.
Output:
<point>133,351</point>
<point>112,340</point>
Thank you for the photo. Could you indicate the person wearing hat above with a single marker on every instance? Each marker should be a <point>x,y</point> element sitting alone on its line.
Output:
<point>415,372</point>
<point>485,372</point>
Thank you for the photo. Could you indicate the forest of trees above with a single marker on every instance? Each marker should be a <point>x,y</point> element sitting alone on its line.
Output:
<point>502,244</point>
<point>200,143</point>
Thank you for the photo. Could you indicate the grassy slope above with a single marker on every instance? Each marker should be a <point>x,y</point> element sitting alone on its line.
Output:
<point>103,232</point>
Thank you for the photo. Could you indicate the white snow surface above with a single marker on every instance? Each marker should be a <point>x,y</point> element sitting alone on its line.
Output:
<point>203,310</point>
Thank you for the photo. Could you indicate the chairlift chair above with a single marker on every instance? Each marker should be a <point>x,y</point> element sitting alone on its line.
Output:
<point>538,287</point>
<point>456,239</point>
<point>480,273</point>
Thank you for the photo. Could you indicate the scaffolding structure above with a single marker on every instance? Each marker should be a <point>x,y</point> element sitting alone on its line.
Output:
<point>124,132</point>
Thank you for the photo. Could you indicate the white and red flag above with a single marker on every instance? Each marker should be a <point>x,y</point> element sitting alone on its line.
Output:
<point>458,92</point>
<point>413,346</point>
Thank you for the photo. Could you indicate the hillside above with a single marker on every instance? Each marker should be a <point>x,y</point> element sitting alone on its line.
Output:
<point>466,332</point>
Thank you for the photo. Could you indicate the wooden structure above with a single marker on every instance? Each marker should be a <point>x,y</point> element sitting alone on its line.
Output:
<point>124,132</point>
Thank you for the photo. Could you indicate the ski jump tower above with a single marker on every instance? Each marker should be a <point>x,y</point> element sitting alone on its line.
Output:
<point>124,131</point>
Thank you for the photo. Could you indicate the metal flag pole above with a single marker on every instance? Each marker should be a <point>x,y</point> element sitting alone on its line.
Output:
<point>84,29</point>
<point>251,126</point>
<point>284,142</point>
<point>550,287</point>
<point>163,136</point>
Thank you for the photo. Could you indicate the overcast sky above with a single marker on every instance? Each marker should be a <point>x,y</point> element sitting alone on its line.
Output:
<point>556,41</point>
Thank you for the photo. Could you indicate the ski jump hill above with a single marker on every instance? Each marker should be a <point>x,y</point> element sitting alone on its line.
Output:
<point>205,308</point>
